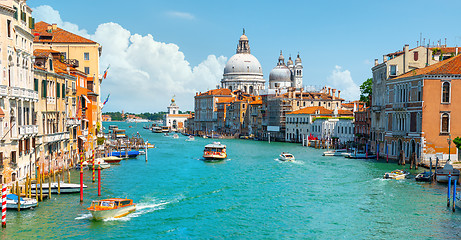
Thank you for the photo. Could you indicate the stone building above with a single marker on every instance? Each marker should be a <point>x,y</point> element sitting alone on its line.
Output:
<point>283,76</point>
<point>173,119</point>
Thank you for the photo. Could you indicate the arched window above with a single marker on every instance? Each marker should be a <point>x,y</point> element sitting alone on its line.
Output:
<point>251,89</point>
<point>230,88</point>
<point>245,88</point>
<point>446,92</point>
<point>445,123</point>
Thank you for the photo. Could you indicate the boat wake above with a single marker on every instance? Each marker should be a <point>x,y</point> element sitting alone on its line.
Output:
<point>84,216</point>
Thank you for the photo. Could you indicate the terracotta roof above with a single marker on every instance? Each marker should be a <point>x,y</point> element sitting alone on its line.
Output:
<point>220,91</point>
<point>451,66</point>
<point>40,68</point>
<point>257,102</point>
<point>447,49</point>
<point>44,52</point>
<point>225,100</point>
<point>58,36</point>
<point>313,110</point>
<point>345,112</point>
<point>179,115</point>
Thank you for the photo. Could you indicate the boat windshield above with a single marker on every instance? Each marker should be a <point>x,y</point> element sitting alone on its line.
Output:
<point>105,204</point>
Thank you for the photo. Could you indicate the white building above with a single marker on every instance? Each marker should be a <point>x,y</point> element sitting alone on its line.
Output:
<point>243,70</point>
<point>173,118</point>
<point>321,123</point>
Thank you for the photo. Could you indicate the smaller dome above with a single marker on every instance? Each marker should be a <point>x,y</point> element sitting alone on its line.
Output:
<point>244,38</point>
<point>289,62</point>
<point>280,73</point>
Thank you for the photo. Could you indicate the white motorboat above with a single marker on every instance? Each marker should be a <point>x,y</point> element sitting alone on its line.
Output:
<point>284,156</point>
<point>396,174</point>
<point>65,188</point>
<point>26,203</point>
<point>336,153</point>
<point>442,174</point>
<point>190,138</point>
<point>175,136</point>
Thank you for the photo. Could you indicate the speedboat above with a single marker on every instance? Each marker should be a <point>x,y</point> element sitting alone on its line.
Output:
<point>157,130</point>
<point>101,163</point>
<point>130,154</point>
<point>64,187</point>
<point>112,159</point>
<point>284,156</point>
<point>337,152</point>
<point>166,134</point>
<point>396,174</point>
<point>175,136</point>
<point>424,177</point>
<point>442,174</point>
<point>190,138</point>
<point>111,208</point>
<point>25,203</point>
<point>215,151</point>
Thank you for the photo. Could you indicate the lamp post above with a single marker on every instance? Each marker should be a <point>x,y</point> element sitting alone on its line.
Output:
<point>449,146</point>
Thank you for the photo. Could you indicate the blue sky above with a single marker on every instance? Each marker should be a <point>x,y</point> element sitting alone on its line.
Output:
<point>337,40</point>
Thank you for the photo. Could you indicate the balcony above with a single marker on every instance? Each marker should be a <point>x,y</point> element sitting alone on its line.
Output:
<point>3,90</point>
<point>72,122</point>
<point>28,130</point>
<point>85,133</point>
<point>14,92</point>
<point>13,165</point>
<point>54,137</point>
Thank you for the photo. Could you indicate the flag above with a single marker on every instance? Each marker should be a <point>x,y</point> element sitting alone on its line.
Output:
<point>105,72</point>
<point>107,99</point>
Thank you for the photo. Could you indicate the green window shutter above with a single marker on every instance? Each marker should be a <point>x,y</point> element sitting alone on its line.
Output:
<point>43,88</point>
<point>63,91</point>
<point>36,84</point>
<point>31,22</point>
<point>58,90</point>
<point>15,15</point>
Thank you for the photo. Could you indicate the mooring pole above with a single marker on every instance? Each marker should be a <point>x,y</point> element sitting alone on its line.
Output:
<point>99,180</point>
<point>3,205</point>
<point>81,178</point>
<point>454,196</point>
<point>449,186</point>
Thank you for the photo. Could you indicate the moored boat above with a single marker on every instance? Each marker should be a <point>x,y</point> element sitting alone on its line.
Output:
<point>190,138</point>
<point>215,151</point>
<point>424,177</point>
<point>337,152</point>
<point>111,208</point>
<point>284,156</point>
<point>175,136</point>
<point>64,187</point>
<point>112,159</point>
<point>396,174</point>
<point>25,203</point>
<point>157,129</point>
<point>442,174</point>
<point>130,154</point>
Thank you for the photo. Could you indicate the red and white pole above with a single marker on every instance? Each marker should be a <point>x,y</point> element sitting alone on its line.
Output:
<point>99,181</point>
<point>81,178</point>
<point>93,166</point>
<point>4,206</point>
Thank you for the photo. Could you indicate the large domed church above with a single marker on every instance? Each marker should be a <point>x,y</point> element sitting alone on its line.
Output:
<point>283,76</point>
<point>243,70</point>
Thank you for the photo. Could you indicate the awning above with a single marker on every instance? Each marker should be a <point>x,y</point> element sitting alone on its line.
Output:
<point>87,100</point>
<point>83,138</point>
<point>2,114</point>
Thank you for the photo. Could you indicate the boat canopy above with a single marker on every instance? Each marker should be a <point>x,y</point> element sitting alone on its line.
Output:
<point>215,145</point>
<point>13,197</point>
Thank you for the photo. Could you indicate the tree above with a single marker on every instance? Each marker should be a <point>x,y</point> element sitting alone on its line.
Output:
<point>457,142</point>
<point>366,91</point>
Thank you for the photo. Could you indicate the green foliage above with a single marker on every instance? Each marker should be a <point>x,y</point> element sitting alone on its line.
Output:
<point>101,140</point>
<point>457,142</point>
<point>366,91</point>
<point>116,116</point>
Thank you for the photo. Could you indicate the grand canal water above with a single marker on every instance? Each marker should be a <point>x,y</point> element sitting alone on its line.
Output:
<point>249,196</point>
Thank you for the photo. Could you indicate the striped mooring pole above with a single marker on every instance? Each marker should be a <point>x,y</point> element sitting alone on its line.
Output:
<point>454,196</point>
<point>3,205</point>
<point>93,166</point>
<point>449,187</point>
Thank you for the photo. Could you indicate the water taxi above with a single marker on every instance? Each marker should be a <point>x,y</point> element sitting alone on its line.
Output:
<point>215,151</point>
<point>111,208</point>
<point>396,174</point>
<point>284,156</point>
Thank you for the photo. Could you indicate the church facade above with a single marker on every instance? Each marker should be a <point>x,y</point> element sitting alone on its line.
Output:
<point>173,119</point>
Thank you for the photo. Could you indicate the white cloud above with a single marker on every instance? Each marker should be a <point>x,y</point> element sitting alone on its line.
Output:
<point>342,80</point>
<point>48,14</point>
<point>182,15</point>
<point>146,73</point>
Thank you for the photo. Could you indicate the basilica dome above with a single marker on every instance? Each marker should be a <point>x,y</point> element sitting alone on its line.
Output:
<point>243,63</point>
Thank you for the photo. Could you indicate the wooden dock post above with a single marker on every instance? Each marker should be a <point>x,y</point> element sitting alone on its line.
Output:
<point>449,186</point>
<point>145,149</point>
<point>99,180</point>
<point>81,178</point>
<point>93,166</point>
<point>54,175</point>
<point>18,193</point>
<point>41,187</point>
<point>59,184</point>
<point>68,175</point>
<point>454,196</point>
<point>49,186</point>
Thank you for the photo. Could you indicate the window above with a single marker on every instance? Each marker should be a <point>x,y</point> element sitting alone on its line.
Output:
<point>393,70</point>
<point>43,88</point>
<point>86,56</point>
<point>445,123</point>
<point>87,70</point>
<point>415,56</point>
<point>36,84</point>
<point>63,91</point>
<point>51,64</point>
<point>64,55</point>
<point>58,90</point>
<point>446,92</point>
<point>8,27</point>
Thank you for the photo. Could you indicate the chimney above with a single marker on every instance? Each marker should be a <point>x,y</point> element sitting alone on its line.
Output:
<point>384,58</point>
<point>428,56</point>
<point>329,91</point>
<point>55,26</point>
<point>456,51</point>
<point>339,93</point>
<point>333,93</point>
<point>48,28</point>
<point>68,70</point>
<point>406,58</point>
<point>376,62</point>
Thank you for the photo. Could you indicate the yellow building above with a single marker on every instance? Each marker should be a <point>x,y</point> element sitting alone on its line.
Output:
<point>82,53</point>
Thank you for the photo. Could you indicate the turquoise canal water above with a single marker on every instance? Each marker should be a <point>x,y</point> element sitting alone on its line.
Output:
<point>249,196</point>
